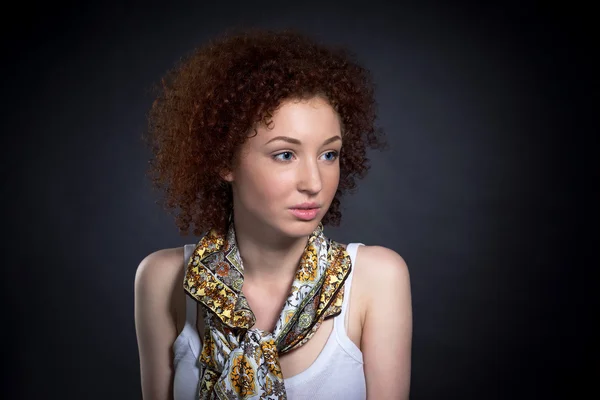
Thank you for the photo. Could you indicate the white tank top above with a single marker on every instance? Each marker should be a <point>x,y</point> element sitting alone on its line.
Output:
<point>336,374</point>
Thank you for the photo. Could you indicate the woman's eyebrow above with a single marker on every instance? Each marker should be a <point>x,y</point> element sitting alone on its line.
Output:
<point>296,141</point>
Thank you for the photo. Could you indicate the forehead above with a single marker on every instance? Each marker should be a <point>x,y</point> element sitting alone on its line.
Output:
<point>303,119</point>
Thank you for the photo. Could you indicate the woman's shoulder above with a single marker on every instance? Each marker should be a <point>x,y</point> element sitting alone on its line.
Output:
<point>374,265</point>
<point>159,271</point>
<point>382,256</point>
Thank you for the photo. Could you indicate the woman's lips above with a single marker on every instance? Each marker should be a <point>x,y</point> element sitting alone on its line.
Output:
<point>305,214</point>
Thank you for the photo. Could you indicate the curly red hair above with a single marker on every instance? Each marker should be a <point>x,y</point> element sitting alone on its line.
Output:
<point>212,99</point>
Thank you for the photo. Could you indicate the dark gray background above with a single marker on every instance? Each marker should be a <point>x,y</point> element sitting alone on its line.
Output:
<point>488,189</point>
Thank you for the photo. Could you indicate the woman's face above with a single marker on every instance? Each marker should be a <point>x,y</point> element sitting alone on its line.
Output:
<point>287,175</point>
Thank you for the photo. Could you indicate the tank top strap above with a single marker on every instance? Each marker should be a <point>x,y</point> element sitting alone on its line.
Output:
<point>190,303</point>
<point>351,249</point>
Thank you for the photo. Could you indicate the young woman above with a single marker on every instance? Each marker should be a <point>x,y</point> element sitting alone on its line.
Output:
<point>255,138</point>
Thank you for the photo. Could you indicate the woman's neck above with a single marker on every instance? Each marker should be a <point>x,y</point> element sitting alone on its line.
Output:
<point>268,257</point>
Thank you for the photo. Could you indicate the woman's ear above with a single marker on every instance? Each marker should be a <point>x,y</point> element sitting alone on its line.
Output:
<point>227,175</point>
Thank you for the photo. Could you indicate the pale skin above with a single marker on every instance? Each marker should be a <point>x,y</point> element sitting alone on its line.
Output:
<point>293,161</point>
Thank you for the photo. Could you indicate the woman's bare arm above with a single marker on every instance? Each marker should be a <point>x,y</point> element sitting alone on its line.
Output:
<point>155,321</point>
<point>387,331</point>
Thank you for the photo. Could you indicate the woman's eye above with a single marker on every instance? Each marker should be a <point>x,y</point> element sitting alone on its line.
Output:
<point>285,156</point>
<point>331,155</point>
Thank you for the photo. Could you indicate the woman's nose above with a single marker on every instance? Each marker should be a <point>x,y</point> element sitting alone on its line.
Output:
<point>309,177</point>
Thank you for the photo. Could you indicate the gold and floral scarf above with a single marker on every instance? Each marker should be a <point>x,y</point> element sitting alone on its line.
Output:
<point>241,362</point>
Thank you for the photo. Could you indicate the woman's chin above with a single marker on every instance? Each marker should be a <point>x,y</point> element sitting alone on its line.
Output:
<point>300,228</point>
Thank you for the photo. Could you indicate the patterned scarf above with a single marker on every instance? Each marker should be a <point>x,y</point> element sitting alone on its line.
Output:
<point>241,362</point>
